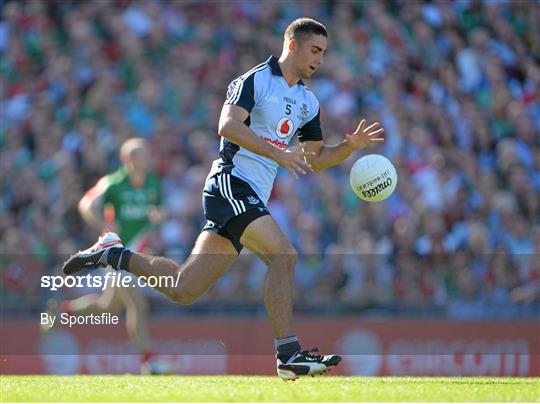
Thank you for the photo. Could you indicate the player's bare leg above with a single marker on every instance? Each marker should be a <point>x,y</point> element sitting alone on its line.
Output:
<point>136,305</point>
<point>136,316</point>
<point>211,256</point>
<point>112,300</point>
<point>209,259</point>
<point>264,237</point>
<point>95,303</point>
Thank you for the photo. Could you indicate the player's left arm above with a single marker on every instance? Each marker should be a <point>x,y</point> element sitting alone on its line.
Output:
<point>326,156</point>
<point>156,213</point>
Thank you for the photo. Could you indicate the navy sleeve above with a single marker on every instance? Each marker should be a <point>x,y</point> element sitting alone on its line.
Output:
<point>241,92</point>
<point>311,131</point>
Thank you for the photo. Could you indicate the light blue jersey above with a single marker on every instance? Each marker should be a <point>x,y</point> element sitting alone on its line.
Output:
<point>276,113</point>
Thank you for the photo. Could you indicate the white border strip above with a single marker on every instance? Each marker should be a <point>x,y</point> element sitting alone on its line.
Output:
<point>224,182</point>
<point>240,86</point>
<point>240,204</point>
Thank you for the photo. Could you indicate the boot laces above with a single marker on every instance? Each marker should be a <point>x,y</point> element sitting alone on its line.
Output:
<point>311,354</point>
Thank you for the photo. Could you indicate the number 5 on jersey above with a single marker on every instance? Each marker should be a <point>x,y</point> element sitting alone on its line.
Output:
<point>288,109</point>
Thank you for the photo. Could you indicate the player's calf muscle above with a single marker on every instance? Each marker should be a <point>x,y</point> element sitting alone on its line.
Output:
<point>148,265</point>
<point>182,290</point>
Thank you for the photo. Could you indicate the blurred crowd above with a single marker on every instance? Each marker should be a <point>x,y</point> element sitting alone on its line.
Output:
<point>455,84</point>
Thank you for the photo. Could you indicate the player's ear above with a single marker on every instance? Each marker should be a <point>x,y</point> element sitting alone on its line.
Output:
<point>292,45</point>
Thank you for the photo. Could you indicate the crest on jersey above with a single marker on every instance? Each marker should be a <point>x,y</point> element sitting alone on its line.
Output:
<point>304,112</point>
<point>252,200</point>
<point>284,128</point>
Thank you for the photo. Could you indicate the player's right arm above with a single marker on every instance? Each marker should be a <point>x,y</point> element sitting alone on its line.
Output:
<point>232,127</point>
<point>91,206</point>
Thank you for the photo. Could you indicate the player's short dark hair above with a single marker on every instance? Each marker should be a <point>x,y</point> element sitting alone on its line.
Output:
<point>302,27</point>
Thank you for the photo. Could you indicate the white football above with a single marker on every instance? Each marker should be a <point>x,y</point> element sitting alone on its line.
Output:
<point>373,178</point>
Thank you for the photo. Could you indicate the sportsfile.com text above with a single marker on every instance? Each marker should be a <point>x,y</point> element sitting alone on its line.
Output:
<point>109,279</point>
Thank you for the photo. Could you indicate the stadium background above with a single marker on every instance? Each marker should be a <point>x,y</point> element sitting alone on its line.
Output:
<point>451,256</point>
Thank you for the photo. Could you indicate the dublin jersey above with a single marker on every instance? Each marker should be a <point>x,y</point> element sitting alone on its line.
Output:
<point>276,113</point>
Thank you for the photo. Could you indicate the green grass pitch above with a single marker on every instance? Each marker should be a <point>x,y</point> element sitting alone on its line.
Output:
<point>260,388</point>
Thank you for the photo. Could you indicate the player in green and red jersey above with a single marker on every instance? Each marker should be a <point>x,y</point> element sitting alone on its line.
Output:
<point>126,201</point>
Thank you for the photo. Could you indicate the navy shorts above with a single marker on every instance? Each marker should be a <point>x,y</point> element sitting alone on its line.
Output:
<point>230,205</point>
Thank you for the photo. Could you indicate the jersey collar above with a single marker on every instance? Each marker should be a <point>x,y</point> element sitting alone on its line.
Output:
<point>276,69</point>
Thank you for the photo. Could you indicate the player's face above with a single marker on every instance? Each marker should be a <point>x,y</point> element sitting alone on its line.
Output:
<point>140,159</point>
<point>309,54</point>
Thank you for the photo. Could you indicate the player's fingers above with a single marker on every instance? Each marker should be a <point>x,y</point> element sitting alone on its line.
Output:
<point>371,127</point>
<point>293,173</point>
<point>377,140</point>
<point>361,125</point>
<point>300,160</point>
<point>380,130</point>
<point>301,157</point>
<point>305,164</point>
<point>298,167</point>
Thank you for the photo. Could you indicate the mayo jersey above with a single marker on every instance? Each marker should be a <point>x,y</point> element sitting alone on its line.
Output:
<point>131,204</point>
<point>276,113</point>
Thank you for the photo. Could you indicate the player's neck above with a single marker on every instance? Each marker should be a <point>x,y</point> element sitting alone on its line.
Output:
<point>288,72</point>
<point>137,179</point>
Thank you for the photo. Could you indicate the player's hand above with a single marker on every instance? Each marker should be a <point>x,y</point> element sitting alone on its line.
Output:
<point>156,215</point>
<point>363,137</point>
<point>293,160</point>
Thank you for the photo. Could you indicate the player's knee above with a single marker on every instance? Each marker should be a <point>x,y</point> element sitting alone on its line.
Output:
<point>113,306</point>
<point>287,256</point>
<point>114,309</point>
<point>291,256</point>
<point>140,305</point>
